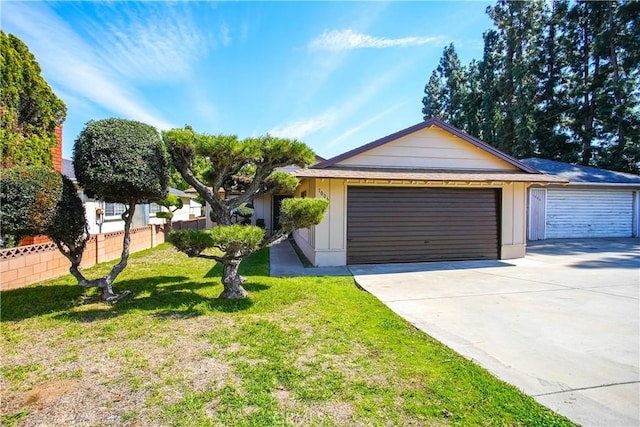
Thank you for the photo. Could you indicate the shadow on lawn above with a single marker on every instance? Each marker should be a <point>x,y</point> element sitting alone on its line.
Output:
<point>167,296</point>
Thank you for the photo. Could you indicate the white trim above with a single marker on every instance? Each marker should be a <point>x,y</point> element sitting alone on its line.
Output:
<point>624,185</point>
<point>635,229</point>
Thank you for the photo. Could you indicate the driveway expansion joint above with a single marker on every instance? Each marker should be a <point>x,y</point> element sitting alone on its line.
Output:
<point>585,388</point>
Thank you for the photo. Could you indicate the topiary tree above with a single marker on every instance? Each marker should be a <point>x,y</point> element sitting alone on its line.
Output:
<point>246,168</point>
<point>29,197</point>
<point>245,211</point>
<point>29,110</point>
<point>170,201</point>
<point>120,161</point>
<point>37,200</point>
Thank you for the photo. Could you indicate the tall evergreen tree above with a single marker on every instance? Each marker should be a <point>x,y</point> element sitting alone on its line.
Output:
<point>551,136</point>
<point>519,26</point>
<point>490,69</point>
<point>557,80</point>
<point>445,91</point>
<point>29,110</point>
<point>452,74</point>
<point>472,100</point>
<point>586,21</point>
<point>618,106</point>
<point>433,104</point>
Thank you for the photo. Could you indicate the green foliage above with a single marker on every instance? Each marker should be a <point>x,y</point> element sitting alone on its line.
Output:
<point>191,242</point>
<point>281,182</point>
<point>237,165</point>
<point>29,110</point>
<point>237,240</point>
<point>557,80</point>
<point>29,199</point>
<point>245,210</point>
<point>121,161</point>
<point>169,201</point>
<point>69,226</point>
<point>302,213</point>
<point>164,214</point>
<point>37,200</point>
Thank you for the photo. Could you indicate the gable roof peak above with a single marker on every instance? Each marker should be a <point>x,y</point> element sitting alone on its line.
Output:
<point>424,125</point>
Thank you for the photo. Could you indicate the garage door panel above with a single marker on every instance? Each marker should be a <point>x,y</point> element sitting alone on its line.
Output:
<point>394,224</point>
<point>575,213</point>
<point>435,234</point>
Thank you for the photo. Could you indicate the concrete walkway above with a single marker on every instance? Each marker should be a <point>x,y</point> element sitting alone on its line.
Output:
<point>561,324</point>
<point>284,262</point>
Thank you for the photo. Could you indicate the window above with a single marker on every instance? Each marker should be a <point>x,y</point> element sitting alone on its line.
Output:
<point>154,208</point>
<point>114,209</point>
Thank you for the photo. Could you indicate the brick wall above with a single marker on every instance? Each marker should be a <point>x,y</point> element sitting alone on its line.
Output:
<point>25,265</point>
<point>56,153</point>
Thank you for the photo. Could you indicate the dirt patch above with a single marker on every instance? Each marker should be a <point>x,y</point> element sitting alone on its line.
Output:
<point>283,397</point>
<point>47,392</point>
<point>115,375</point>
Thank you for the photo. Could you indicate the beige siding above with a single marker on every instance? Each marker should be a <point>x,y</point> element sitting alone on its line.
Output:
<point>514,220</point>
<point>262,209</point>
<point>325,244</point>
<point>430,148</point>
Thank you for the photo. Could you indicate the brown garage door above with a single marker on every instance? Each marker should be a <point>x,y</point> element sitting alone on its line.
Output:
<point>395,224</point>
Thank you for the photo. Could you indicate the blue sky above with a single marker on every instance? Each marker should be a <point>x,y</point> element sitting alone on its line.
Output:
<point>335,75</point>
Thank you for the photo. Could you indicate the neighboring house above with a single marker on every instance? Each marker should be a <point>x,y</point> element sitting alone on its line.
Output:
<point>595,203</point>
<point>426,193</point>
<point>111,219</point>
<point>190,208</point>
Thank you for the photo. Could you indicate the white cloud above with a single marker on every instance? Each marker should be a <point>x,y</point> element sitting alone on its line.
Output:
<point>300,128</point>
<point>225,35</point>
<point>73,66</point>
<point>364,124</point>
<point>336,114</point>
<point>153,45</point>
<point>338,40</point>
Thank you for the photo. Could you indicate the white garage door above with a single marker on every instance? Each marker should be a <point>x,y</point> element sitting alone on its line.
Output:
<point>589,213</point>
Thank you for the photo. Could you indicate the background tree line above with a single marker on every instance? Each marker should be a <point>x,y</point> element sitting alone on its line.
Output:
<point>557,80</point>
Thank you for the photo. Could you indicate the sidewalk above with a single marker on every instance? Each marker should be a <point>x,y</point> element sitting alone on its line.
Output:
<point>284,262</point>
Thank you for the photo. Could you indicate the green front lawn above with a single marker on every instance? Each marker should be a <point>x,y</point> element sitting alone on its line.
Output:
<point>299,351</point>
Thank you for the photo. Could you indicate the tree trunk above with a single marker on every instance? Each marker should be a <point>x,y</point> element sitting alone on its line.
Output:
<point>105,286</point>
<point>74,255</point>
<point>232,280</point>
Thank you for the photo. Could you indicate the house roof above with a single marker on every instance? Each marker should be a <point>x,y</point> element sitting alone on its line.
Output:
<point>428,175</point>
<point>69,172</point>
<point>67,169</point>
<point>181,193</point>
<point>427,124</point>
<point>582,174</point>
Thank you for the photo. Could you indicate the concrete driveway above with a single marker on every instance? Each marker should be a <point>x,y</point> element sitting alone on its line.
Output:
<point>561,324</point>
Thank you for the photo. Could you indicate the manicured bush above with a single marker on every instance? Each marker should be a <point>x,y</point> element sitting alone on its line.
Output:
<point>120,160</point>
<point>246,211</point>
<point>302,213</point>
<point>29,199</point>
<point>237,239</point>
<point>191,242</point>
